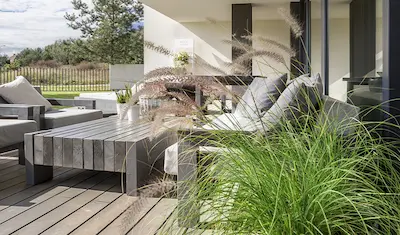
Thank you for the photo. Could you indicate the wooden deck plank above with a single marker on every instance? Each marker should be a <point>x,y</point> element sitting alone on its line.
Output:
<point>98,222</point>
<point>79,217</point>
<point>36,212</point>
<point>22,186</point>
<point>8,164</point>
<point>129,218</point>
<point>12,175</point>
<point>31,202</point>
<point>53,217</point>
<point>11,169</point>
<point>41,188</point>
<point>154,220</point>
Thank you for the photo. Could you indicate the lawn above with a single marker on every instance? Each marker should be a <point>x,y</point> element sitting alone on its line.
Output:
<point>60,94</point>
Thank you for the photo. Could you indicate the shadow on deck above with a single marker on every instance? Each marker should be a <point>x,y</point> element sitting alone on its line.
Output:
<point>75,202</point>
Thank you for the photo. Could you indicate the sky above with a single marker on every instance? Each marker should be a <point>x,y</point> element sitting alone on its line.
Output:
<point>33,23</point>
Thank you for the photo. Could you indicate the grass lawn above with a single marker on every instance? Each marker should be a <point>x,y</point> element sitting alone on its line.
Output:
<point>60,94</point>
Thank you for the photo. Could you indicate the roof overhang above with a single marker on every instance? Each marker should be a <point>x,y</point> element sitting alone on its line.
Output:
<point>220,10</point>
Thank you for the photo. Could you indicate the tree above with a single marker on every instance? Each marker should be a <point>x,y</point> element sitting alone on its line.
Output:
<point>70,51</point>
<point>29,56</point>
<point>4,60</point>
<point>109,28</point>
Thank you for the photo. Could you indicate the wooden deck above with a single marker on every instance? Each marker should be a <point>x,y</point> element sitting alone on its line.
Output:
<point>74,202</point>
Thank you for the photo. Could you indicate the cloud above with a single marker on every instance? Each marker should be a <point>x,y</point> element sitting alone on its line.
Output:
<point>33,23</point>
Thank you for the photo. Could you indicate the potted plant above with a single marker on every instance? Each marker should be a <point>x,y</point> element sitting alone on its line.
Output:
<point>181,60</point>
<point>127,109</point>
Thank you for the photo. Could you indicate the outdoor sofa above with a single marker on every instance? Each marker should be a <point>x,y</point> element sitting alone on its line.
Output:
<point>16,119</point>
<point>182,158</point>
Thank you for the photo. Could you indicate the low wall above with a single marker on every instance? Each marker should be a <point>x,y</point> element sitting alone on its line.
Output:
<point>125,74</point>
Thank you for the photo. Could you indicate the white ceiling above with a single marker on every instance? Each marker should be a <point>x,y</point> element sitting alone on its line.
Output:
<point>220,10</point>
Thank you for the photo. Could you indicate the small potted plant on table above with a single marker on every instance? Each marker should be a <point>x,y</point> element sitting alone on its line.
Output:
<point>126,109</point>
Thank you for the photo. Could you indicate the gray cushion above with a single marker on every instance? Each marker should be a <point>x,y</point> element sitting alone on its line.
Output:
<point>12,131</point>
<point>260,96</point>
<point>65,117</point>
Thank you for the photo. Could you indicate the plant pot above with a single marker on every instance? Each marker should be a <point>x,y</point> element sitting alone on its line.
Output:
<point>122,111</point>
<point>133,113</point>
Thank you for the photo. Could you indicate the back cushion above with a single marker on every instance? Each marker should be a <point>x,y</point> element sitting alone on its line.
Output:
<point>260,96</point>
<point>20,91</point>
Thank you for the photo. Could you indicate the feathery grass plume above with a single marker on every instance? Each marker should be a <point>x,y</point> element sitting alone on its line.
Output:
<point>158,48</point>
<point>295,26</point>
<point>242,46</point>
<point>271,43</point>
<point>156,189</point>
<point>238,69</point>
<point>243,59</point>
<point>170,109</point>
<point>207,66</point>
<point>164,72</point>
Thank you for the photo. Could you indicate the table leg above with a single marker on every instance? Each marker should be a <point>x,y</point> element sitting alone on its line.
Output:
<point>35,174</point>
<point>188,207</point>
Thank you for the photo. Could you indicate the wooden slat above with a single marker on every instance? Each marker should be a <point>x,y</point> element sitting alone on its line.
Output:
<point>31,202</point>
<point>109,147</point>
<point>98,222</point>
<point>79,217</point>
<point>72,128</point>
<point>9,164</point>
<point>22,186</point>
<point>38,189</point>
<point>97,143</point>
<point>62,143</point>
<point>78,139</point>
<point>28,216</point>
<point>59,213</point>
<point>121,148</point>
<point>130,218</point>
<point>11,169</point>
<point>153,220</point>
<point>11,175</point>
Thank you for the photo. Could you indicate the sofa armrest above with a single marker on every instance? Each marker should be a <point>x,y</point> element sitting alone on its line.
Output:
<point>24,112</point>
<point>88,104</point>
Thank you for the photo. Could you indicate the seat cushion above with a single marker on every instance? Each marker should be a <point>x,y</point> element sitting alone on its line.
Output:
<point>12,131</point>
<point>229,121</point>
<point>20,91</point>
<point>65,117</point>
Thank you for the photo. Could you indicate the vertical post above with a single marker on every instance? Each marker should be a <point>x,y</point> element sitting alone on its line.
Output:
<point>325,44</point>
<point>391,58</point>
<point>242,25</point>
<point>301,62</point>
<point>307,35</point>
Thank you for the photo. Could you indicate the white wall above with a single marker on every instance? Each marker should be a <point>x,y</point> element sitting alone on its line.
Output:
<point>125,74</point>
<point>207,39</point>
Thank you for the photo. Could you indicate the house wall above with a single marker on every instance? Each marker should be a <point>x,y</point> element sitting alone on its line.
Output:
<point>208,45</point>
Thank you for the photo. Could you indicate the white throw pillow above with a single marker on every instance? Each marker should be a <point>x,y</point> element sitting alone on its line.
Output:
<point>20,91</point>
<point>260,96</point>
<point>300,94</point>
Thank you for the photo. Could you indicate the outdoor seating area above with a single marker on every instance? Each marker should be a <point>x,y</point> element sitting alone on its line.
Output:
<point>202,117</point>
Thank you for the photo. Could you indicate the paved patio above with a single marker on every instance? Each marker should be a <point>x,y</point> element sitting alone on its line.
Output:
<point>74,202</point>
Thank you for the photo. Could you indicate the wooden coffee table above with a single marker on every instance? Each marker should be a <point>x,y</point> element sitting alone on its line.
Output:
<point>107,144</point>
